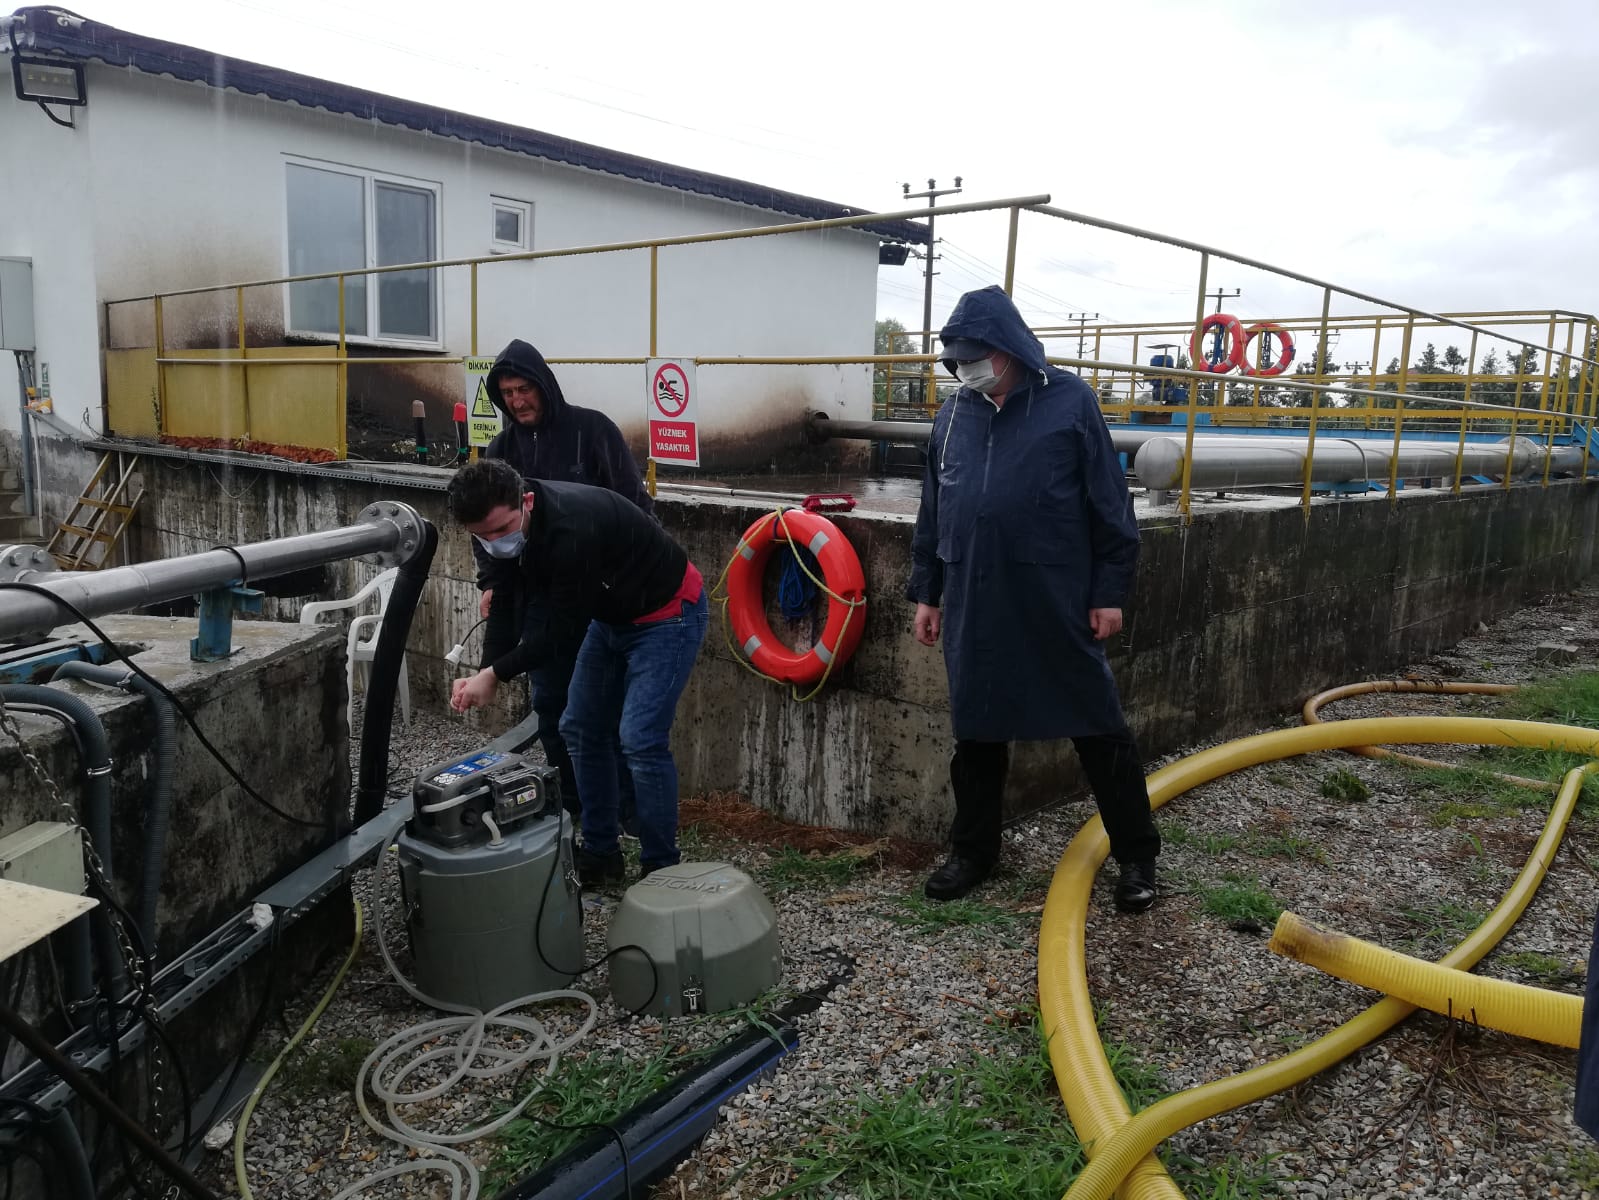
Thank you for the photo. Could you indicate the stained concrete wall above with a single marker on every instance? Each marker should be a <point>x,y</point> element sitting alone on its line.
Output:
<point>222,849</point>
<point>1234,619</point>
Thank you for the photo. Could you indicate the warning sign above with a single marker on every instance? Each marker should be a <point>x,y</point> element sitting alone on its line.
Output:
<point>671,410</point>
<point>482,418</point>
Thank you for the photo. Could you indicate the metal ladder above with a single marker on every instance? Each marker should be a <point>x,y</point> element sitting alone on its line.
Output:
<point>100,516</point>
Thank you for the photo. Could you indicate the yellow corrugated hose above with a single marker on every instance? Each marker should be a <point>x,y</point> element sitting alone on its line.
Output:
<point>1529,1012</point>
<point>1120,1145</point>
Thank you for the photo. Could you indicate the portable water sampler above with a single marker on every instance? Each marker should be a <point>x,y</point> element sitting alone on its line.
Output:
<point>494,909</point>
<point>488,881</point>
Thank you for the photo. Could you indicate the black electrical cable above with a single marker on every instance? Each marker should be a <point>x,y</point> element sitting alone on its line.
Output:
<point>17,1150</point>
<point>177,704</point>
<point>101,1103</point>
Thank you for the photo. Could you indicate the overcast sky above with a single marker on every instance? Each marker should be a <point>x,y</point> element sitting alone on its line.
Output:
<point>1441,153</point>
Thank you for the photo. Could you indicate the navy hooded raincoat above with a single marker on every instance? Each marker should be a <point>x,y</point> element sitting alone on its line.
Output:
<point>1025,525</point>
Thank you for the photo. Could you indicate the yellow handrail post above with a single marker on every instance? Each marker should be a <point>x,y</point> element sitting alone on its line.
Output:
<point>1010,251</point>
<point>1376,355</point>
<point>341,399</point>
<point>1590,387</point>
<point>1183,505</point>
<point>1545,426</point>
<point>244,372</point>
<point>1565,401</point>
<point>1465,399</point>
<point>1399,407</point>
<point>160,370</point>
<point>1315,410</point>
<point>1510,448</point>
<point>474,310</point>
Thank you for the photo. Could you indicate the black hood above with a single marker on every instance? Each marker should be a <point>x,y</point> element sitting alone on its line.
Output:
<point>523,360</point>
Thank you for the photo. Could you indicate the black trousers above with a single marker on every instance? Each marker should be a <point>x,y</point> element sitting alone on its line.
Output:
<point>1115,774</point>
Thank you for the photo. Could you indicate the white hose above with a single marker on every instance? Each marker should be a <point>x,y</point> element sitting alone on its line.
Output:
<point>388,1066</point>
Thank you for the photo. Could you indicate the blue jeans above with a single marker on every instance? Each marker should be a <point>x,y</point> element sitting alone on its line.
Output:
<point>547,690</point>
<point>628,681</point>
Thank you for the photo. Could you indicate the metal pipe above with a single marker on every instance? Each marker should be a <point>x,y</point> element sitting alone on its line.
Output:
<point>391,530</point>
<point>1220,463</point>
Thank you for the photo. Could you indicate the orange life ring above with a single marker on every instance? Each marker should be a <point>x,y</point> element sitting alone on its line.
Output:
<point>1284,360</point>
<point>746,602</point>
<point>1235,338</point>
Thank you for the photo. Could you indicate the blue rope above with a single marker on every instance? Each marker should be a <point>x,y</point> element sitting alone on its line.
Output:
<point>796,594</point>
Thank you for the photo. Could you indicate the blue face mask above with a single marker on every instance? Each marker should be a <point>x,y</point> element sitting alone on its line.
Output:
<point>508,546</point>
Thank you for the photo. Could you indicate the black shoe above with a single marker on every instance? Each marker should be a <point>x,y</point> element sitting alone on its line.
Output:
<point>1135,890</point>
<point>597,870</point>
<point>956,877</point>
<point>645,870</point>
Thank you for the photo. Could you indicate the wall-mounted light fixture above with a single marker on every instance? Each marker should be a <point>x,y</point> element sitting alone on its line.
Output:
<point>48,80</point>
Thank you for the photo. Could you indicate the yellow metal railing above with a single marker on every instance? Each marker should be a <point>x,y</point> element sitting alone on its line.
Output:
<point>1318,400</point>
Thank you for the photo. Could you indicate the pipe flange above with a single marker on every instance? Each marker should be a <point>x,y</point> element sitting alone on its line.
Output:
<point>408,525</point>
<point>18,562</point>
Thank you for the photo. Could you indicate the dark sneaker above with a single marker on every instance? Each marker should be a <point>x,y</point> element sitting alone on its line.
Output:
<point>597,870</point>
<point>956,877</point>
<point>1135,890</point>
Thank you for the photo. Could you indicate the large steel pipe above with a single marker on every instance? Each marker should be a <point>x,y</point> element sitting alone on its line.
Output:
<point>388,529</point>
<point>821,427</point>
<point>1220,463</point>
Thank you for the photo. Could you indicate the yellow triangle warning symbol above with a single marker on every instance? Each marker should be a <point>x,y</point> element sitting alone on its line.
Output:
<point>482,406</point>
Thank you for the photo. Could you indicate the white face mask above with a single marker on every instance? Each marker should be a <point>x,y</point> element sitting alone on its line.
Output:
<point>508,546</point>
<point>979,376</point>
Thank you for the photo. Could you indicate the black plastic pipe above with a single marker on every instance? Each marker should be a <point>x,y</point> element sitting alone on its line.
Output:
<point>100,1102</point>
<point>660,1132</point>
<point>384,682</point>
<point>159,817</point>
<point>96,815</point>
<point>60,1132</point>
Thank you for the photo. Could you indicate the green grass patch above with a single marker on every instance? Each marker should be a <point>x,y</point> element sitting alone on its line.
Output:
<point>1543,969</point>
<point>1211,843</point>
<point>925,916</point>
<point>991,1127</point>
<point>1285,845</point>
<point>324,1068</point>
<point>1566,700</point>
<point>600,1086</point>
<point>794,870</point>
<point>1239,897</point>
<point>1443,921</point>
<point>1345,786</point>
<point>1582,1169</point>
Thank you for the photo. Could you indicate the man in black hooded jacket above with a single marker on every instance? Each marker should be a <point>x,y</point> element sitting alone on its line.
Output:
<point>546,438</point>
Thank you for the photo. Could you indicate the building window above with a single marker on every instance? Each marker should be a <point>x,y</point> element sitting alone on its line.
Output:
<point>342,218</point>
<point>510,225</point>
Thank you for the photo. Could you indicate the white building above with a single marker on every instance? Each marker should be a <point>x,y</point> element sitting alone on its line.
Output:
<point>186,169</point>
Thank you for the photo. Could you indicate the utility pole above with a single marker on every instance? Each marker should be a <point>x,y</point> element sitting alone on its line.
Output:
<point>1082,319</point>
<point>1223,294</point>
<point>932,194</point>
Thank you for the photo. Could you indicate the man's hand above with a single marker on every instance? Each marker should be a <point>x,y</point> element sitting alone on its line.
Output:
<point>483,603</point>
<point>474,691</point>
<point>929,622</point>
<point>1105,622</point>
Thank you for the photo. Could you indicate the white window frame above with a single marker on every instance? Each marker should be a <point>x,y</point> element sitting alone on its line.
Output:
<point>369,178</point>
<point>524,211</point>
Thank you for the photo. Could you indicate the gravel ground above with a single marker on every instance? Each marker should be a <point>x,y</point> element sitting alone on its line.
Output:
<point>1434,1109</point>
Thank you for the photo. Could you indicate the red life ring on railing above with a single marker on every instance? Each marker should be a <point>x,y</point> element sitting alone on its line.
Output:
<point>1235,338</point>
<point>1284,360</point>
<point>846,601</point>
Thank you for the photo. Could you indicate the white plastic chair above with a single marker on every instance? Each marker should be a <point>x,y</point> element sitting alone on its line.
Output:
<point>362,645</point>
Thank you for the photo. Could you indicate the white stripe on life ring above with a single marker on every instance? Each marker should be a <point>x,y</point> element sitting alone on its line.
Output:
<point>751,646</point>
<point>817,542</point>
<point>747,550</point>
<point>822,652</point>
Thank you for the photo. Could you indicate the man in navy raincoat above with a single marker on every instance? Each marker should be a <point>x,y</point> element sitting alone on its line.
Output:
<point>1024,553</point>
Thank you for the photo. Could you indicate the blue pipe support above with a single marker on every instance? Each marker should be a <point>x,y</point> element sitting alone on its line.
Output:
<point>217,606</point>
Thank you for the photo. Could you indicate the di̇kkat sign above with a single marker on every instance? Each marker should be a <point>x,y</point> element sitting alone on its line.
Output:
<point>482,418</point>
<point>671,409</point>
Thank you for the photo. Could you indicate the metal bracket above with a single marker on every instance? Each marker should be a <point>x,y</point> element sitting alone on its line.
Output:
<point>217,606</point>
<point>406,520</point>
